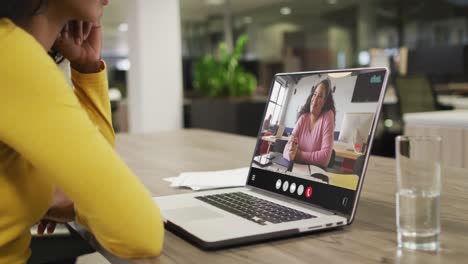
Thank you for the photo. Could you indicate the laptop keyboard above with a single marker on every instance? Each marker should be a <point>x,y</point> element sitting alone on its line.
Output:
<point>254,209</point>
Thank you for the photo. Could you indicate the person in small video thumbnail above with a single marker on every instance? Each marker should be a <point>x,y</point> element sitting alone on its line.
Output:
<point>311,141</point>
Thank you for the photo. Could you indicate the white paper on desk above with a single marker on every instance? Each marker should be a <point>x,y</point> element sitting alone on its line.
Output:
<point>210,179</point>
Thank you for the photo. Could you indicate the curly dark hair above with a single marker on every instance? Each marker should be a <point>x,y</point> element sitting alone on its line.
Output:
<point>17,10</point>
<point>329,102</point>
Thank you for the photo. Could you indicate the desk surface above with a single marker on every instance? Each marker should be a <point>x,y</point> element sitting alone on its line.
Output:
<point>449,118</point>
<point>342,151</point>
<point>459,88</point>
<point>370,239</point>
<point>272,139</point>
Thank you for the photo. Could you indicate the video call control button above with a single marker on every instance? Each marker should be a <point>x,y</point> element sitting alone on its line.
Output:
<point>308,193</point>
<point>345,200</point>
<point>300,190</point>
<point>292,189</point>
<point>285,186</point>
<point>278,184</point>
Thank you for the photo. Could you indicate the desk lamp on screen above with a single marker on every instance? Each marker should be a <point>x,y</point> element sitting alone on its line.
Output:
<point>355,128</point>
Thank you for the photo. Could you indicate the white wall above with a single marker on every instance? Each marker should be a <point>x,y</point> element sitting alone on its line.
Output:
<point>155,76</point>
<point>340,41</point>
<point>343,95</point>
<point>269,40</point>
<point>296,101</point>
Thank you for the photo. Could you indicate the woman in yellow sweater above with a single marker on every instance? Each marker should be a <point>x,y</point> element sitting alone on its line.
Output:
<point>54,138</point>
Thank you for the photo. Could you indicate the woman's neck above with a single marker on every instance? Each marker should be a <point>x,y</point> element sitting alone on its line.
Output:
<point>313,117</point>
<point>44,28</point>
<point>313,120</point>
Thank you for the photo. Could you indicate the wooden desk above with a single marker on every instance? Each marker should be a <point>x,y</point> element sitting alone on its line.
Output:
<point>457,101</point>
<point>342,151</point>
<point>371,238</point>
<point>451,126</point>
<point>452,88</point>
<point>272,139</point>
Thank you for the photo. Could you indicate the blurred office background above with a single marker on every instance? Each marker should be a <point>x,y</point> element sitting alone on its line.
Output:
<point>152,49</point>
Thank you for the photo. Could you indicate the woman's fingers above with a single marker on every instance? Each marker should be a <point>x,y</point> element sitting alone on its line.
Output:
<point>76,31</point>
<point>46,225</point>
<point>65,34</point>
<point>51,227</point>
<point>79,32</point>
<point>41,228</point>
<point>87,27</point>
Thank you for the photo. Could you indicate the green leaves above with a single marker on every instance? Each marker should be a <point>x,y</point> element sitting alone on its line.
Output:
<point>224,76</point>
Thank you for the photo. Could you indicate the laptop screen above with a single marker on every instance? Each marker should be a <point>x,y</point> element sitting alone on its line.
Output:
<point>316,133</point>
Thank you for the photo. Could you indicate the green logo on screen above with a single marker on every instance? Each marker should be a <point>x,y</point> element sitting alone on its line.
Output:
<point>376,79</point>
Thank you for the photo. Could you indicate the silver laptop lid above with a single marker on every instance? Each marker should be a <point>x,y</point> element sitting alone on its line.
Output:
<point>315,139</point>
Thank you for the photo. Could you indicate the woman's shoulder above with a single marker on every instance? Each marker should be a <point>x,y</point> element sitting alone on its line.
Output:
<point>328,116</point>
<point>22,55</point>
<point>330,113</point>
<point>303,118</point>
<point>17,45</point>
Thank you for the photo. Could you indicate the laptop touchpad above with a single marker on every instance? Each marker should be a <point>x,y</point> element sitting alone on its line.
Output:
<point>191,213</point>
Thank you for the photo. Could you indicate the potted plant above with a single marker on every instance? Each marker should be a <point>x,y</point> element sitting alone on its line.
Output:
<point>223,76</point>
<point>226,89</point>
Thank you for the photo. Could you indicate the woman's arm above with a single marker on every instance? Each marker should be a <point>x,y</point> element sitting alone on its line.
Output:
<point>291,148</point>
<point>80,42</point>
<point>322,157</point>
<point>92,92</point>
<point>91,89</point>
<point>43,121</point>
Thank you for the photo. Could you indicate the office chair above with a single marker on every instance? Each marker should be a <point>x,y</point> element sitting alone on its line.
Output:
<point>279,145</point>
<point>416,94</point>
<point>358,165</point>
<point>331,163</point>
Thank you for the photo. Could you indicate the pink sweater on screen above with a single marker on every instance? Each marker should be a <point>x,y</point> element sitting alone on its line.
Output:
<point>316,145</point>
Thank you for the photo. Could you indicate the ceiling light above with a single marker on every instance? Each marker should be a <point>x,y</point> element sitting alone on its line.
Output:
<point>388,122</point>
<point>123,27</point>
<point>214,2</point>
<point>123,65</point>
<point>285,11</point>
<point>364,58</point>
<point>332,2</point>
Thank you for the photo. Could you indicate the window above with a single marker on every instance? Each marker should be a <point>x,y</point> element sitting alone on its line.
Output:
<point>277,100</point>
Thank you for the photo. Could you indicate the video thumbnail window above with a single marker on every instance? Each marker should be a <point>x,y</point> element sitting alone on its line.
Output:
<point>317,127</point>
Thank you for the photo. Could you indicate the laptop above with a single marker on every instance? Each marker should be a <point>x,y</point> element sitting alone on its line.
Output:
<point>276,202</point>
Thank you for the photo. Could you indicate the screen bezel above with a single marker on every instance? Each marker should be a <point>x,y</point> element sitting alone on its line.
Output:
<point>351,216</point>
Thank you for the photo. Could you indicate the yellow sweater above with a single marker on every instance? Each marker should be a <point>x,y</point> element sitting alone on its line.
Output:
<point>53,137</point>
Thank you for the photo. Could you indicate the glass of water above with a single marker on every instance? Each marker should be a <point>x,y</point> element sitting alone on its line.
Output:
<point>418,192</point>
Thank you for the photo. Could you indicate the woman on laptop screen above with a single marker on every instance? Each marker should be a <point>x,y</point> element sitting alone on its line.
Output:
<point>53,138</point>
<point>311,141</point>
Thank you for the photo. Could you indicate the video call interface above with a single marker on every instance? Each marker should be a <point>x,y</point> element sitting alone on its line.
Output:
<point>315,136</point>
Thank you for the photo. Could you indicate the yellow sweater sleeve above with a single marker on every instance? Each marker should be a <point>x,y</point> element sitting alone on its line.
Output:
<point>43,121</point>
<point>93,95</point>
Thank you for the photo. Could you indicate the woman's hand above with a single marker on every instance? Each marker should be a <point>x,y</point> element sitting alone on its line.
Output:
<point>294,141</point>
<point>61,211</point>
<point>80,42</point>
<point>44,225</point>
